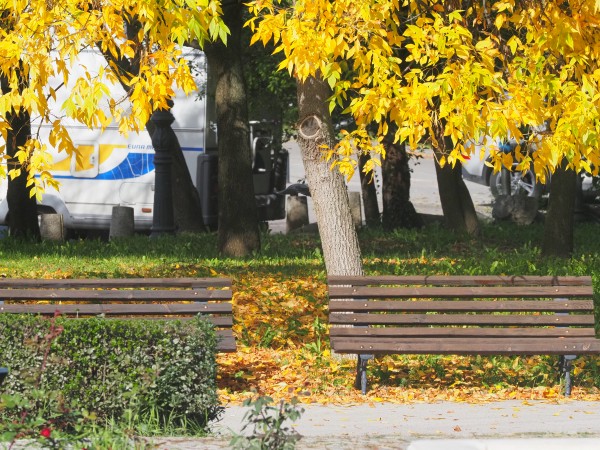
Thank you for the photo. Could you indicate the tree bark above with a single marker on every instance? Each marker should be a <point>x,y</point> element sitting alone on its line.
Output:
<point>187,207</point>
<point>558,229</point>
<point>339,240</point>
<point>369,194</point>
<point>238,233</point>
<point>457,204</point>
<point>22,208</point>
<point>398,210</point>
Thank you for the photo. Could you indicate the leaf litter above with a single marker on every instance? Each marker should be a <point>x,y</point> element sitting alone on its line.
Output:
<point>283,352</point>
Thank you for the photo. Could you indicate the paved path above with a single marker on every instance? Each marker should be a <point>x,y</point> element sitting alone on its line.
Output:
<point>508,425</point>
<point>424,192</point>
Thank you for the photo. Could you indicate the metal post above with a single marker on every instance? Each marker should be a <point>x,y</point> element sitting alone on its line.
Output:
<point>163,221</point>
<point>361,372</point>
<point>567,363</point>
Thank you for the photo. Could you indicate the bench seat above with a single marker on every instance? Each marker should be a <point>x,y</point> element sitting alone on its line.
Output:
<point>126,298</point>
<point>464,315</point>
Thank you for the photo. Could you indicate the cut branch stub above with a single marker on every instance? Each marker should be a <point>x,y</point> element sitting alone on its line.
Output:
<point>310,127</point>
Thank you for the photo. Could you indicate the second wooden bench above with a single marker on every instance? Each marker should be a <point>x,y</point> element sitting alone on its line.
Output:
<point>464,315</point>
<point>128,298</point>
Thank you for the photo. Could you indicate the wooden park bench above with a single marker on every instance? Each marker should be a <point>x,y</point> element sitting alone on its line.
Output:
<point>463,315</point>
<point>126,298</point>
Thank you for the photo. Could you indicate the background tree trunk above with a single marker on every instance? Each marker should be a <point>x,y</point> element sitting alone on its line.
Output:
<point>457,204</point>
<point>187,208</point>
<point>369,194</point>
<point>238,215</point>
<point>558,228</point>
<point>341,250</point>
<point>398,211</point>
<point>22,208</point>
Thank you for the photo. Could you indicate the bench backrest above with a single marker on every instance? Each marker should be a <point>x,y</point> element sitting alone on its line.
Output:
<point>149,298</point>
<point>532,308</point>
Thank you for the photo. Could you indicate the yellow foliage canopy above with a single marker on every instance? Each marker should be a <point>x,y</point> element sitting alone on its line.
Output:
<point>433,69</point>
<point>40,40</point>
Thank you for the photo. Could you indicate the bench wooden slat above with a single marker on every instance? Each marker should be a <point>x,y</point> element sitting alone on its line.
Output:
<point>18,283</point>
<point>483,346</point>
<point>120,308</point>
<point>461,280</point>
<point>226,341</point>
<point>476,332</point>
<point>218,321</point>
<point>458,305</point>
<point>368,292</point>
<point>113,294</point>
<point>127,298</point>
<point>463,315</point>
<point>506,320</point>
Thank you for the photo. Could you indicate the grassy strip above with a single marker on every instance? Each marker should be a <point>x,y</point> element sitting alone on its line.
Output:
<point>501,249</point>
<point>280,303</point>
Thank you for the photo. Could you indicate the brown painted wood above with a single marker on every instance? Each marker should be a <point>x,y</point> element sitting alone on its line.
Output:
<point>461,280</point>
<point>461,306</point>
<point>107,283</point>
<point>505,320</point>
<point>120,308</point>
<point>128,298</point>
<point>226,343</point>
<point>114,294</point>
<point>462,315</point>
<point>217,321</point>
<point>461,292</point>
<point>340,333</point>
<point>469,346</point>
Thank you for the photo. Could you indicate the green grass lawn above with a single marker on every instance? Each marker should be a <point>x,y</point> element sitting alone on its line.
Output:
<point>501,249</point>
<point>280,306</point>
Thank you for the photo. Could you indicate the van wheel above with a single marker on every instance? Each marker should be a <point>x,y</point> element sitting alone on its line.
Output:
<point>515,183</point>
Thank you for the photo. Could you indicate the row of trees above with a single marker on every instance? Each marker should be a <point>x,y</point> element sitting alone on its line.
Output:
<point>442,72</point>
<point>41,40</point>
<point>449,72</point>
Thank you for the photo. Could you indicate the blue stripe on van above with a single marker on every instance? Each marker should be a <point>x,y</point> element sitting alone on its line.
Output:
<point>134,166</point>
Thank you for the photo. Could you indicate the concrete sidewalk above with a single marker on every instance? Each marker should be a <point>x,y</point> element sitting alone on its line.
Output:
<point>507,444</point>
<point>510,425</point>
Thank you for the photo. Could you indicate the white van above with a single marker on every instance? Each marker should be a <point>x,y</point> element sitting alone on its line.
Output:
<point>115,170</point>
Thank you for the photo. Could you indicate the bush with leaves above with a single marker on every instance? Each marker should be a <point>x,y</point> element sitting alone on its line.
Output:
<point>267,422</point>
<point>111,368</point>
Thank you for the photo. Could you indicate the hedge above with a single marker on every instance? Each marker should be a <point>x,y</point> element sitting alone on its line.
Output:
<point>111,366</point>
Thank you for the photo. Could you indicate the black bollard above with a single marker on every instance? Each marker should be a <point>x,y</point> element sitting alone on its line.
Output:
<point>163,220</point>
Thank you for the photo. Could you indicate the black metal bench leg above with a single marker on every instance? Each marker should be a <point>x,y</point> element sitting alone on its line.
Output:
<point>361,373</point>
<point>566,364</point>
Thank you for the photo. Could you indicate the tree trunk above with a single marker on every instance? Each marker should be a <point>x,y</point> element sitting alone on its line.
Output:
<point>398,210</point>
<point>22,208</point>
<point>457,204</point>
<point>187,208</point>
<point>238,216</point>
<point>558,228</point>
<point>369,194</point>
<point>341,250</point>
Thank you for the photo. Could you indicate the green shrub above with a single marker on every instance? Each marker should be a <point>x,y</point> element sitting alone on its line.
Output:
<point>596,300</point>
<point>114,368</point>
